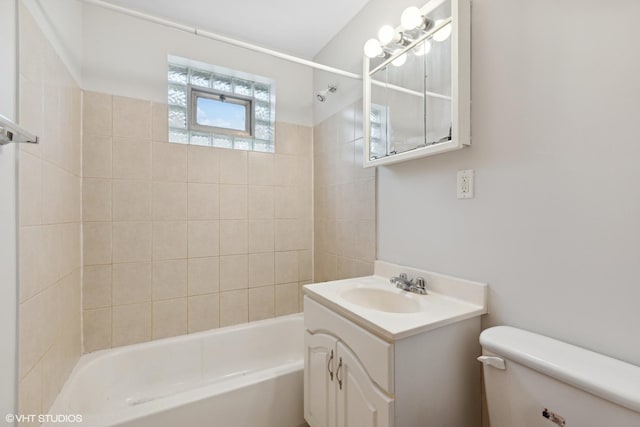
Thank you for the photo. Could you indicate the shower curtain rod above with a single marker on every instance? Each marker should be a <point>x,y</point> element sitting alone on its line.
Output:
<point>224,39</point>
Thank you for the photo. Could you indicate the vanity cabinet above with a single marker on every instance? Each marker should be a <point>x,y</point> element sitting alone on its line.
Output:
<point>355,378</point>
<point>338,390</point>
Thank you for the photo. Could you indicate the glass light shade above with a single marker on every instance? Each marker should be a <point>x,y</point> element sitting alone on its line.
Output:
<point>411,18</point>
<point>386,34</point>
<point>422,49</point>
<point>400,60</point>
<point>372,48</point>
<point>443,33</point>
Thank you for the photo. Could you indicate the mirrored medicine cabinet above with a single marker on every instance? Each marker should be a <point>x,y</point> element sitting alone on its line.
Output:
<point>417,84</point>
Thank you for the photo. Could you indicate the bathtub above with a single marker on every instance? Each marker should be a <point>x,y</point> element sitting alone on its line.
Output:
<point>245,375</point>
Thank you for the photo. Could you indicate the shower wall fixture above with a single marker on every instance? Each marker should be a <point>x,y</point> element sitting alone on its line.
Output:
<point>11,132</point>
<point>322,95</point>
<point>417,84</point>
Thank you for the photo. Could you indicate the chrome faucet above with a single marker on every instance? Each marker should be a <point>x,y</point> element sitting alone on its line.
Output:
<point>417,285</point>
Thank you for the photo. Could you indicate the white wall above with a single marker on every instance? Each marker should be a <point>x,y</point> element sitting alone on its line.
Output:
<point>8,269</point>
<point>61,23</point>
<point>555,224</point>
<point>128,56</point>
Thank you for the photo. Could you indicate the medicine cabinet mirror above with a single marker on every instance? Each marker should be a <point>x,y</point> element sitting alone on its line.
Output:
<point>417,84</point>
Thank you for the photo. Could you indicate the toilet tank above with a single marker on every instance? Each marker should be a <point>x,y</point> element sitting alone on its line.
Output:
<point>535,381</point>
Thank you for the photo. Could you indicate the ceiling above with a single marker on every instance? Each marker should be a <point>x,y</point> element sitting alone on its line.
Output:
<point>299,27</point>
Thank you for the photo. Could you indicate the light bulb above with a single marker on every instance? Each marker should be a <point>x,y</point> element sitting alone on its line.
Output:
<point>386,34</point>
<point>443,33</point>
<point>422,48</point>
<point>372,48</point>
<point>411,18</point>
<point>400,60</point>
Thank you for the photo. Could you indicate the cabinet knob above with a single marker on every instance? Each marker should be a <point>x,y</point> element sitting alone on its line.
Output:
<point>338,373</point>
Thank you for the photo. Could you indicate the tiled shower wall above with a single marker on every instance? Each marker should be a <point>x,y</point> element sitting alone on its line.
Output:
<point>182,238</point>
<point>49,218</point>
<point>345,202</point>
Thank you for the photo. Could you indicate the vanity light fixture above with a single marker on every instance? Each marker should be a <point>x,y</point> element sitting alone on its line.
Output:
<point>443,33</point>
<point>400,60</point>
<point>422,49</point>
<point>413,24</point>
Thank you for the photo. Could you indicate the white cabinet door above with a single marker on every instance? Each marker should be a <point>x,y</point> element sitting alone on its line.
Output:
<point>360,403</point>
<point>319,379</point>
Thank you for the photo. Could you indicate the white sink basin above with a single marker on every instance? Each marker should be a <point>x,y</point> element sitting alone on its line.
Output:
<point>382,300</point>
<point>377,305</point>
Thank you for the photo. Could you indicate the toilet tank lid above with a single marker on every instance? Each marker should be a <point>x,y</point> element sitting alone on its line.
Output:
<point>603,376</point>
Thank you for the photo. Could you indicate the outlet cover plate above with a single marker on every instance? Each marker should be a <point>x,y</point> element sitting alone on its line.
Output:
<point>465,184</point>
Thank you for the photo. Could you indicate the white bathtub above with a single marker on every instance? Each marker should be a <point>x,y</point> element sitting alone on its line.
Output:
<point>245,375</point>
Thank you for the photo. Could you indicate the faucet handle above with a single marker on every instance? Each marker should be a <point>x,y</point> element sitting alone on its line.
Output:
<point>420,285</point>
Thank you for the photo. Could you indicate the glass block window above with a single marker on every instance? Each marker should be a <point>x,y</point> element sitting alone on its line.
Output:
<point>379,131</point>
<point>216,107</point>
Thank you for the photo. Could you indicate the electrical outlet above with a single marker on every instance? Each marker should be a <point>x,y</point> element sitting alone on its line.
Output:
<point>465,184</point>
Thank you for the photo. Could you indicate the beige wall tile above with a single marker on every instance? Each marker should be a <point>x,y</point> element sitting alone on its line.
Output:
<point>30,191</point>
<point>131,324</point>
<point>131,241</point>
<point>97,113</point>
<point>293,139</point>
<point>169,201</point>
<point>285,170</point>
<point>234,307</point>
<point>234,237</point>
<point>169,240</point>
<point>261,303</point>
<point>261,236</point>
<point>261,269</point>
<point>286,202</point>
<point>292,234</point>
<point>260,168</point>
<point>159,122</point>
<point>37,331</point>
<point>96,156</point>
<point>233,201</point>
<point>345,238</point>
<point>31,261</point>
<point>96,289</point>
<point>131,159</point>
<point>169,162</point>
<point>51,255</point>
<point>233,166</point>
<point>169,279</point>
<point>131,200</point>
<point>261,202</point>
<point>169,318</point>
<point>203,164</point>
<point>131,283</point>
<point>286,299</point>
<point>204,275</point>
<point>53,189</point>
<point>286,267</point>
<point>365,241</point>
<point>96,199</point>
<point>30,393</point>
<point>305,269</point>
<point>204,239</point>
<point>97,329</point>
<point>204,312</point>
<point>234,270</point>
<point>203,201</point>
<point>131,118</point>
<point>97,242</point>
<point>70,247</point>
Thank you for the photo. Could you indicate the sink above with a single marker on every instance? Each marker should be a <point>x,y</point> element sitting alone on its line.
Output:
<point>390,301</point>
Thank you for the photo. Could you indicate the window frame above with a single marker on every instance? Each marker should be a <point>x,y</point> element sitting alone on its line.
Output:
<point>195,92</point>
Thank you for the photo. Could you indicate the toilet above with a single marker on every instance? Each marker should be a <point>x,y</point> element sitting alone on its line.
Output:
<point>535,381</point>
